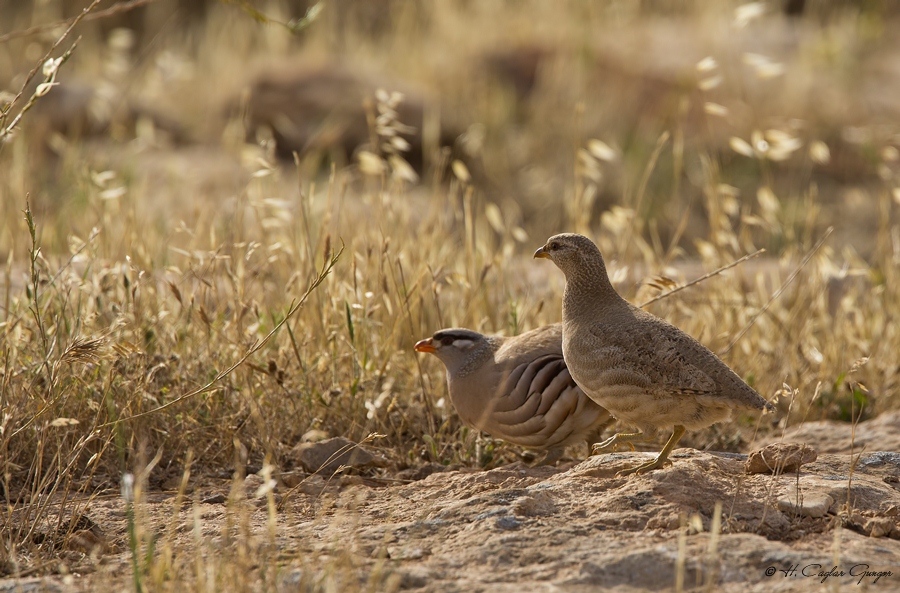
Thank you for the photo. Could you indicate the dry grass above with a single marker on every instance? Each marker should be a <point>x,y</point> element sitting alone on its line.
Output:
<point>133,279</point>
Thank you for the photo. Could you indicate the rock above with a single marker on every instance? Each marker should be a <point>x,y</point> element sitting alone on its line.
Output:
<point>779,458</point>
<point>405,553</point>
<point>215,499</point>
<point>508,523</point>
<point>327,108</point>
<point>539,504</point>
<point>291,580</point>
<point>517,67</point>
<point>252,483</point>
<point>813,505</point>
<point>880,527</point>
<point>881,458</point>
<point>312,485</point>
<point>417,577</point>
<point>327,456</point>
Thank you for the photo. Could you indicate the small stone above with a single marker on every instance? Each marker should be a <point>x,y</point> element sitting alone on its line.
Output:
<point>812,505</point>
<point>214,499</point>
<point>666,522</point>
<point>344,481</point>
<point>291,580</point>
<point>417,577</point>
<point>536,505</point>
<point>879,527</point>
<point>328,455</point>
<point>406,553</point>
<point>508,523</point>
<point>312,485</point>
<point>882,458</point>
<point>252,483</point>
<point>779,458</point>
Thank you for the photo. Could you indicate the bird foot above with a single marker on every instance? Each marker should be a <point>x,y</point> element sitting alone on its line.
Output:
<point>612,443</point>
<point>644,467</point>
<point>598,448</point>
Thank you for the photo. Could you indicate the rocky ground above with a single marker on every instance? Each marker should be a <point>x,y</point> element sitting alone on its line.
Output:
<point>579,528</point>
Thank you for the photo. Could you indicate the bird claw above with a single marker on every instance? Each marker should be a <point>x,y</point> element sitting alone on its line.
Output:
<point>643,468</point>
<point>612,443</point>
<point>598,448</point>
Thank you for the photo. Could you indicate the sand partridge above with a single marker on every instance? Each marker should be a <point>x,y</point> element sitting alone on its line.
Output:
<point>644,370</point>
<point>517,388</point>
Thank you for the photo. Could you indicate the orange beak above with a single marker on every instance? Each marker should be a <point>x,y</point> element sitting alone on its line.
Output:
<point>426,345</point>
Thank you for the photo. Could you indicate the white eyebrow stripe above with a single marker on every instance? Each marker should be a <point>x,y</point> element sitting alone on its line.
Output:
<point>462,343</point>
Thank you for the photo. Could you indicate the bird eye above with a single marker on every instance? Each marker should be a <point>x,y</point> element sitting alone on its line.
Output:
<point>446,340</point>
<point>553,246</point>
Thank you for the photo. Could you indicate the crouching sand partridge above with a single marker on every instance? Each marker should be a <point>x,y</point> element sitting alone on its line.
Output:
<point>517,389</point>
<point>645,371</point>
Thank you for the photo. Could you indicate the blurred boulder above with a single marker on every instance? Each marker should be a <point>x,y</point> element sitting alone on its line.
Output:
<point>74,111</point>
<point>516,67</point>
<point>337,110</point>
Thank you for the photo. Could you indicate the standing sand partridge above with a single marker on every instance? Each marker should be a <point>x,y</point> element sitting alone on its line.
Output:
<point>644,370</point>
<point>517,389</point>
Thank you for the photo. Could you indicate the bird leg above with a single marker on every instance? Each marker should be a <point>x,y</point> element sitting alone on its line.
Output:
<point>550,457</point>
<point>616,439</point>
<point>660,459</point>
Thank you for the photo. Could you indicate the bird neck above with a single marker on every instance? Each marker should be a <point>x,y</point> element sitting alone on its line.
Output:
<point>589,293</point>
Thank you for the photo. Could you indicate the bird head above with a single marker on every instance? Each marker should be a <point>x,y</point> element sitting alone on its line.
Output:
<point>454,347</point>
<point>570,252</point>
